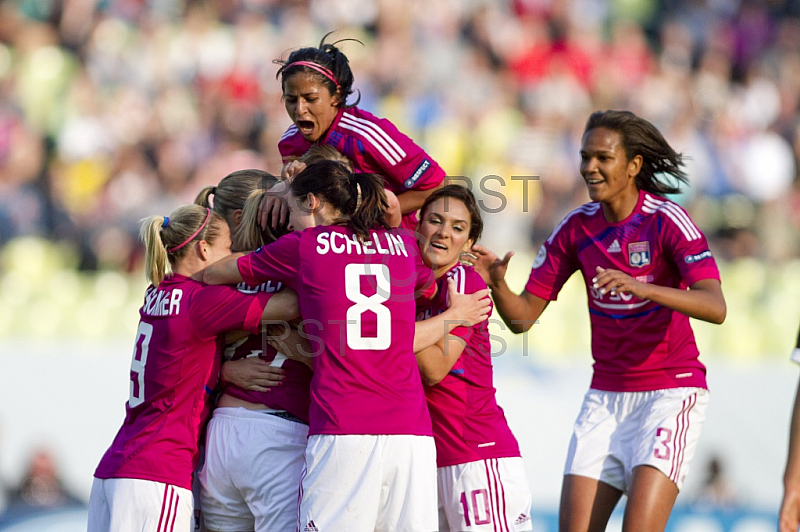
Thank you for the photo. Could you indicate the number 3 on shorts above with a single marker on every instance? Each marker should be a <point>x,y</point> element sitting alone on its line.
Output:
<point>138,364</point>
<point>374,303</point>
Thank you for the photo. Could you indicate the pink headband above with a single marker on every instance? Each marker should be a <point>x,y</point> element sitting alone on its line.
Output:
<point>319,68</point>
<point>176,248</point>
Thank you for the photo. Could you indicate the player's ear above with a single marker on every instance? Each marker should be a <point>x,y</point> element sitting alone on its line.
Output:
<point>314,202</point>
<point>201,248</point>
<point>237,218</point>
<point>635,165</point>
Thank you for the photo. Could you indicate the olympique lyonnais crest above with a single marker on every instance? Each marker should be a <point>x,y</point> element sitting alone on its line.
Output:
<point>639,254</point>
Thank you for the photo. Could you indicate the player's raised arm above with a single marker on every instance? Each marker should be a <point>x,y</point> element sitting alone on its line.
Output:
<point>518,311</point>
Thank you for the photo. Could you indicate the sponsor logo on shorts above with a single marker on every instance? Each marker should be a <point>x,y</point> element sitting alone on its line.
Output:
<point>411,181</point>
<point>688,259</point>
<point>311,527</point>
<point>523,518</point>
<point>639,254</point>
<point>540,257</point>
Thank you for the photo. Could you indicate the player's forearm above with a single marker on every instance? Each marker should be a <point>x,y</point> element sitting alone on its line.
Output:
<point>704,301</point>
<point>225,271</point>
<point>412,200</point>
<point>436,361</point>
<point>428,332</point>
<point>515,310</point>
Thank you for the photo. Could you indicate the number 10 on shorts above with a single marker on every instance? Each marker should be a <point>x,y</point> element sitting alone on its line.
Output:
<point>478,502</point>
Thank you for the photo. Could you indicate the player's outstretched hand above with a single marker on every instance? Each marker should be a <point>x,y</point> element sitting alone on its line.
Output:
<point>470,309</point>
<point>487,264</point>
<point>274,209</point>
<point>616,282</point>
<point>252,373</point>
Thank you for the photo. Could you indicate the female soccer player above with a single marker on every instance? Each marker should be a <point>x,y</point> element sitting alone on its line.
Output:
<point>482,482</point>
<point>316,83</point>
<point>370,460</point>
<point>647,269</point>
<point>258,433</point>
<point>143,482</point>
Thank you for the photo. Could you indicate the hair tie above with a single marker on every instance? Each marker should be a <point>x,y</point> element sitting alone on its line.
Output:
<point>176,248</point>
<point>214,190</point>
<point>314,66</point>
<point>165,223</point>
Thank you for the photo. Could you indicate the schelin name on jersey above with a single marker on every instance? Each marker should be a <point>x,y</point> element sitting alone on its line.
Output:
<point>162,302</point>
<point>340,243</point>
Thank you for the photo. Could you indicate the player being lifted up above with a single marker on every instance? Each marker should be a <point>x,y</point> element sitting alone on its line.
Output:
<point>316,83</point>
<point>144,481</point>
<point>647,269</point>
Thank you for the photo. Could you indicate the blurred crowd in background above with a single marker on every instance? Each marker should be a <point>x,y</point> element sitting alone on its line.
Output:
<point>112,110</point>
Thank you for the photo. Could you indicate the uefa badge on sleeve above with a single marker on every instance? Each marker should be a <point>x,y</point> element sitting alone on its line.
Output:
<point>639,254</point>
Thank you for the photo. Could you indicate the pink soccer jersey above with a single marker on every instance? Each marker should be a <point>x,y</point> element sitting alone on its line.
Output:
<point>357,299</point>
<point>637,345</point>
<point>174,367</point>
<point>468,424</point>
<point>377,147</point>
<point>293,393</point>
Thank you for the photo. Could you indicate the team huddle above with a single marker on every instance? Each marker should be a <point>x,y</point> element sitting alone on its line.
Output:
<point>313,352</point>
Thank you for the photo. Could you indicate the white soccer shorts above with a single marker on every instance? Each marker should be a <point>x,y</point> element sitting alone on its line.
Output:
<point>251,476</point>
<point>617,431</point>
<point>490,495</point>
<point>135,505</point>
<point>366,483</point>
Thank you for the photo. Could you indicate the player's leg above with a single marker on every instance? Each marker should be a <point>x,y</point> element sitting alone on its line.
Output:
<point>594,474</point>
<point>485,496</point>
<point>667,439</point>
<point>586,504</point>
<point>651,497</point>
<point>137,505</point>
<point>223,506</point>
<point>408,499</point>
<point>341,487</point>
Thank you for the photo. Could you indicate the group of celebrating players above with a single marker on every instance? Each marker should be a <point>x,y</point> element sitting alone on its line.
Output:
<point>345,352</point>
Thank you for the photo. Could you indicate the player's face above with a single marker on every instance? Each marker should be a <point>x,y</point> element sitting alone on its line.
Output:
<point>309,104</point>
<point>609,175</point>
<point>221,247</point>
<point>444,231</point>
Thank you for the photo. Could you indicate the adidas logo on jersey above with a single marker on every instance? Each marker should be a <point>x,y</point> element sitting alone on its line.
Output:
<point>615,247</point>
<point>311,527</point>
<point>523,518</point>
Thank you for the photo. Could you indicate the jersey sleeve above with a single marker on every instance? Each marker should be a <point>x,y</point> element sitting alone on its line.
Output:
<point>402,161</point>
<point>292,145</point>
<point>278,261</point>
<point>554,264</point>
<point>687,246</point>
<point>219,308</point>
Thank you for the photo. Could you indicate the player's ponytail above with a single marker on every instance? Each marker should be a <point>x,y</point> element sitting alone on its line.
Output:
<point>371,204</point>
<point>167,239</point>
<point>232,192</point>
<point>249,235</point>
<point>357,199</point>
